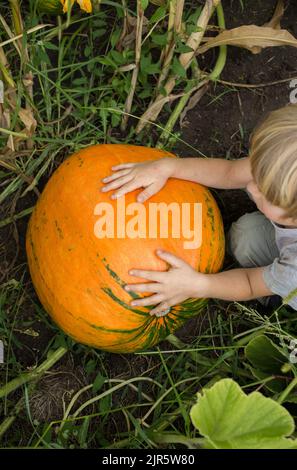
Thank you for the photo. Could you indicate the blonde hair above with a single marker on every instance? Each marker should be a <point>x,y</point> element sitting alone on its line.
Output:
<point>273,157</point>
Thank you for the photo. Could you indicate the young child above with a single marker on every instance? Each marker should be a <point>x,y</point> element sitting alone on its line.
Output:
<point>263,242</point>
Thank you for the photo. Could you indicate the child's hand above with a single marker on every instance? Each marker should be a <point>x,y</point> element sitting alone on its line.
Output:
<point>171,287</point>
<point>151,175</point>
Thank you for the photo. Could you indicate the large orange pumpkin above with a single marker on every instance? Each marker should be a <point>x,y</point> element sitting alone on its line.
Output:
<point>80,278</point>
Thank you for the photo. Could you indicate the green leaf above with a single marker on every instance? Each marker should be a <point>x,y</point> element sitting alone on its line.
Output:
<point>192,28</point>
<point>90,366</point>
<point>105,404</point>
<point>147,66</point>
<point>182,48</point>
<point>115,37</point>
<point>83,431</point>
<point>159,39</point>
<point>107,61</point>
<point>99,21</point>
<point>98,33</point>
<point>98,382</point>
<point>193,18</point>
<point>87,51</point>
<point>117,57</point>
<point>115,119</point>
<point>144,4</point>
<point>265,355</point>
<point>178,68</point>
<point>80,81</point>
<point>267,359</point>
<point>230,419</point>
<point>158,14</point>
<point>51,46</point>
<point>43,57</point>
<point>146,93</point>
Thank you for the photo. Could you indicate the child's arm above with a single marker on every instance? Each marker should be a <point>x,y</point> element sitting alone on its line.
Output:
<point>181,282</point>
<point>214,172</point>
<point>237,284</point>
<point>153,175</point>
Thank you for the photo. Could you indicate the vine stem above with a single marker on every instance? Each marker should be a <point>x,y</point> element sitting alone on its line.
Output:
<point>34,374</point>
<point>202,84</point>
<point>287,390</point>
<point>185,60</point>
<point>139,28</point>
<point>9,420</point>
<point>176,8</point>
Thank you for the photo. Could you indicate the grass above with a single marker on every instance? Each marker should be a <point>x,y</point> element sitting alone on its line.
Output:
<point>135,401</point>
<point>140,406</point>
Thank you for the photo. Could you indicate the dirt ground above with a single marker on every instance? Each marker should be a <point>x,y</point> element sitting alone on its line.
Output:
<point>217,129</point>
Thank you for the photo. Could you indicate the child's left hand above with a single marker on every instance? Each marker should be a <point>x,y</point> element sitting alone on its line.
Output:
<point>171,287</point>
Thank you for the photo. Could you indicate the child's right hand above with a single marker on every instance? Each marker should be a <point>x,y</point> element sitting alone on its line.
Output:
<point>151,175</point>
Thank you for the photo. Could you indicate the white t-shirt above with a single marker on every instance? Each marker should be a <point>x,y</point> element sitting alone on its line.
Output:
<point>281,276</point>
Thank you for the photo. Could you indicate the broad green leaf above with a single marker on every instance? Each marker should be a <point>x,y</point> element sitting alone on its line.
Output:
<point>267,359</point>
<point>265,355</point>
<point>230,419</point>
<point>251,37</point>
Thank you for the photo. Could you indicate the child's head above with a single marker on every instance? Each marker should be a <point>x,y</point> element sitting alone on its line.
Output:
<point>273,157</point>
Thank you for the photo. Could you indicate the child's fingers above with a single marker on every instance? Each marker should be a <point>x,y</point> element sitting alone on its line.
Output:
<point>147,287</point>
<point>123,165</point>
<point>150,300</point>
<point>170,258</point>
<point>149,191</point>
<point>116,175</point>
<point>117,183</point>
<point>157,276</point>
<point>127,188</point>
<point>161,310</point>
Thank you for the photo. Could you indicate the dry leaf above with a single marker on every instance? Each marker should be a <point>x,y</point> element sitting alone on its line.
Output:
<point>27,118</point>
<point>193,101</point>
<point>250,36</point>
<point>127,68</point>
<point>274,22</point>
<point>27,82</point>
<point>128,38</point>
<point>277,15</point>
<point>158,2</point>
<point>5,124</point>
